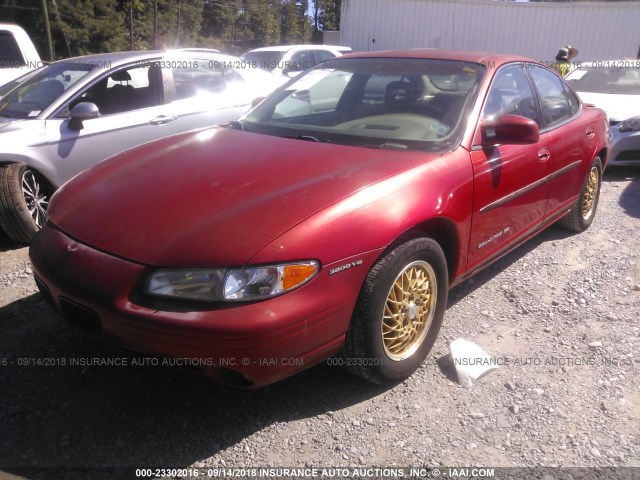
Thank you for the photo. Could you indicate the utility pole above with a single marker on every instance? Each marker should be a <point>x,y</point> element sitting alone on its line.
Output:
<point>178,35</point>
<point>130,24</point>
<point>47,27</point>
<point>155,24</point>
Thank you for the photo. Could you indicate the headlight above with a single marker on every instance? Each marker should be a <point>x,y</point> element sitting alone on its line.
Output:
<point>232,284</point>
<point>630,124</point>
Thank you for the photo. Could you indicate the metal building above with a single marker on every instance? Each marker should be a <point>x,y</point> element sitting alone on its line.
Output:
<point>599,30</point>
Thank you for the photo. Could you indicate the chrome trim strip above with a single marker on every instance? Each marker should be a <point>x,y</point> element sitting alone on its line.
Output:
<point>530,187</point>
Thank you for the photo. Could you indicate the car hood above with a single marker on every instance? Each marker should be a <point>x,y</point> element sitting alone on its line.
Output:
<point>214,197</point>
<point>9,74</point>
<point>618,107</point>
<point>5,123</point>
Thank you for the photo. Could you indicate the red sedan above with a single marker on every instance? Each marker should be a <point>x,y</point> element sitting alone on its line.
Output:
<point>332,219</point>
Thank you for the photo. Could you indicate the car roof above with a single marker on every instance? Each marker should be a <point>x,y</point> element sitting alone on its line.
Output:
<point>612,63</point>
<point>490,60</point>
<point>286,48</point>
<point>118,58</point>
<point>11,27</point>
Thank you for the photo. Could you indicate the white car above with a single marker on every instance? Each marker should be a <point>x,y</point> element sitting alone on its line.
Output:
<point>614,86</point>
<point>18,55</point>
<point>290,60</point>
<point>76,112</point>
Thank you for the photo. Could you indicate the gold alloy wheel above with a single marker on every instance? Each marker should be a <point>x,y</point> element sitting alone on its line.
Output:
<point>409,310</point>
<point>590,191</point>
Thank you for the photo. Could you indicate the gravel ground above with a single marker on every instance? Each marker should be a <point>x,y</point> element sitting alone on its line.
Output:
<point>562,312</point>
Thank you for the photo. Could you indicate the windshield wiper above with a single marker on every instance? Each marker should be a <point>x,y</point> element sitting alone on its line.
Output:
<point>237,124</point>
<point>308,138</point>
<point>388,146</point>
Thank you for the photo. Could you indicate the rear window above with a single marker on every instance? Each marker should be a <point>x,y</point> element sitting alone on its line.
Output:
<point>10,55</point>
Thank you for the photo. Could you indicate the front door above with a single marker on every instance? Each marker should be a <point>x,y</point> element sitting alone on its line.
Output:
<point>132,112</point>
<point>510,191</point>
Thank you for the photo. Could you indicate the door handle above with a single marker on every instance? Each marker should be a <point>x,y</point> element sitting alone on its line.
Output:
<point>544,154</point>
<point>590,132</point>
<point>162,119</point>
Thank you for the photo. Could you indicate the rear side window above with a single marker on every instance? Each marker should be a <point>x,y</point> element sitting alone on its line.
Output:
<point>574,103</point>
<point>10,55</point>
<point>556,106</point>
<point>194,78</point>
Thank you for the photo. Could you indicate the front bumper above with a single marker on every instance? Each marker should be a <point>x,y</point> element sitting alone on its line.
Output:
<point>625,148</point>
<point>246,345</point>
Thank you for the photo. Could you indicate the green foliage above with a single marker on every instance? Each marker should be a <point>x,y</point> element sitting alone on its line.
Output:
<point>90,26</point>
<point>82,27</point>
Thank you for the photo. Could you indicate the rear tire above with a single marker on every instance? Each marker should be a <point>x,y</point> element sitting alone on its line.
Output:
<point>584,211</point>
<point>399,313</point>
<point>24,198</point>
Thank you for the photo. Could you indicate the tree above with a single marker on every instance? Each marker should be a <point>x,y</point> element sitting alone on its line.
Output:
<point>89,26</point>
<point>330,17</point>
<point>235,26</point>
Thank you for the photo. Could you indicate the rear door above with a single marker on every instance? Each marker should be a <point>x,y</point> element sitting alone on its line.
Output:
<point>510,191</point>
<point>205,92</point>
<point>571,139</point>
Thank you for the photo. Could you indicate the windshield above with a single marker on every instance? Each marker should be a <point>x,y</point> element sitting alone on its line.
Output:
<point>36,93</point>
<point>7,87</point>
<point>622,81</point>
<point>265,60</point>
<point>373,102</point>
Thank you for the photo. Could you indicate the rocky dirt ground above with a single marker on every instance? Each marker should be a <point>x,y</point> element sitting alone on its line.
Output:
<point>562,312</point>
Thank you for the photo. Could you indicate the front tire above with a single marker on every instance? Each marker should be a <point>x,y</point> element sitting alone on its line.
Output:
<point>584,211</point>
<point>24,198</point>
<point>399,312</point>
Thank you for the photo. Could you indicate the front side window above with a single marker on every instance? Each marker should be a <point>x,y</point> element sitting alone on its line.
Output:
<point>36,93</point>
<point>374,102</point>
<point>322,55</point>
<point>267,60</point>
<point>124,90</point>
<point>302,60</point>
<point>511,94</point>
<point>556,106</point>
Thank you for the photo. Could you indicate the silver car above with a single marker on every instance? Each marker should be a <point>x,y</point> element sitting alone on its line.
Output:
<point>614,86</point>
<point>76,112</point>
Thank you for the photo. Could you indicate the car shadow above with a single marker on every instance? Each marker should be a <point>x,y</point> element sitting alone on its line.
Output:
<point>630,197</point>
<point>55,414</point>
<point>119,415</point>
<point>6,244</point>
<point>551,234</point>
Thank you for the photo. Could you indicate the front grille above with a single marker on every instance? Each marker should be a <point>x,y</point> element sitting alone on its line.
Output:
<point>45,291</point>
<point>80,316</point>
<point>629,155</point>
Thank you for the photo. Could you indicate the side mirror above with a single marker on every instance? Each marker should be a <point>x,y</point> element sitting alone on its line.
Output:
<point>304,95</point>
<point>509,130</point>
<point>82,111</point>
